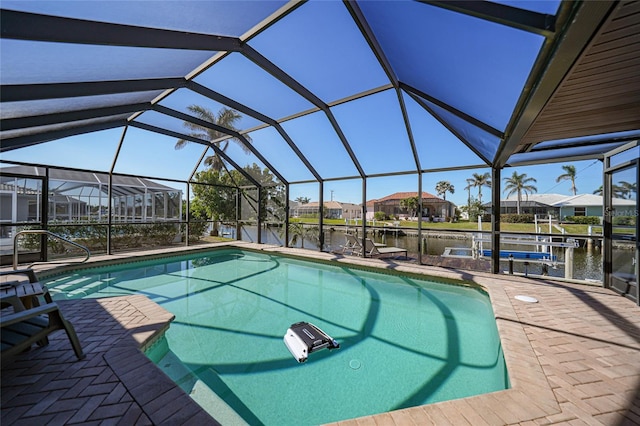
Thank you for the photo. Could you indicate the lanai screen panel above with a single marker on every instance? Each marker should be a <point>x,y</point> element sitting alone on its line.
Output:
<point>38,62</point>
<point>107,122</point>
<point>237,77</point>
<point>151,154</point>
<point>320,46</point>
<point>96,151</point>
<point>196,105</point>
<point>319,142</point>
<point>229,18</point>
<point>482,141</point>
<point>80,103</point>
<point>272,145</point>
<point>435,142</point>
<point>476,66</point>
<point>376,132</point>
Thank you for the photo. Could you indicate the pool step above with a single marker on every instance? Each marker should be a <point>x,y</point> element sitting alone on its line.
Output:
<point>67,285</point>
<point>78,286</point>
<point>197,389</point>
<point>214,405</point>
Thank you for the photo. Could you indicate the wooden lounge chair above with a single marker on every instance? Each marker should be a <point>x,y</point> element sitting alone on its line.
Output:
<point>375,250</point>
<point>22,294</point>
<point>20,330</point>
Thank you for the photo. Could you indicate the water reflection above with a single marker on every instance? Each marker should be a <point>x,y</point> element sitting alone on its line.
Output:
<point>587,262</point>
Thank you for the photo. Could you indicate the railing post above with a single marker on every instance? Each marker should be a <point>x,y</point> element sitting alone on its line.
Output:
<point>568,263</point>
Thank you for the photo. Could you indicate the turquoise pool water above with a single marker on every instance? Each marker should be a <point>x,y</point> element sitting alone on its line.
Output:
<point>403,341</point>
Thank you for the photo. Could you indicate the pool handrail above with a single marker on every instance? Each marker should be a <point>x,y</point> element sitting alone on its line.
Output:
<point>45,232</point>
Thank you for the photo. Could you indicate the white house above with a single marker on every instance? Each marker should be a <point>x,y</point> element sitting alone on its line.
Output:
<point>332,209</point>
<point>560,206</point>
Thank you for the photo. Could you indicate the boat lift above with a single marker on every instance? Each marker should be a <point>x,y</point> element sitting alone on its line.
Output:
<point>542,254</point>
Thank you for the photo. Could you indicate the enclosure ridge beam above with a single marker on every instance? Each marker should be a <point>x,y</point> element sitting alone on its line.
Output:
<point>177,135</point>
<point>345,142</point>
<point>257,58</point>
<point>585,143</point>
<point>197,164</point>
<point>457,134</point>
<point>296,150</point>
<point>522,19</point>
<point>202,123</point>
<point>38,27</point>
<point>32,92</point>
<point>561,155</point>
<point>461,115</point>
<point>9,144</point>
<point>231,103</point>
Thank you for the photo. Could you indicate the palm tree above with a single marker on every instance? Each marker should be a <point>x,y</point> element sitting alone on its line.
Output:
<point>517,184</point>
<point>627,189</point>
<point>570,174</point>
<point>297,231</point>
<point>599,191</point>
<point>623,190</point>
<point>225,118</point>
<point>443,187</point>
<point>411,204</point>
<point>479,180</point>
<point>468,189</point>
<point>303,200</point>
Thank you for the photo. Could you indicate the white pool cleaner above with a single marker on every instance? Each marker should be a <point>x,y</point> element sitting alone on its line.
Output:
<point>303,338</point>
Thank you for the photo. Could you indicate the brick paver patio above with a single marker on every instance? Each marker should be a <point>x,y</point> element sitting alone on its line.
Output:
<point>114,384</point>
<point>573,358</point>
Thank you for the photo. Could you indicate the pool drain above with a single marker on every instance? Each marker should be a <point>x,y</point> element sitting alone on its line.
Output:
<point>355,364</point>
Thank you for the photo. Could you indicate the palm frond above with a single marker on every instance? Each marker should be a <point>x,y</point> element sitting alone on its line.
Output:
<point>202,113</point>
<point>181,144</point>
<point>225,118</point>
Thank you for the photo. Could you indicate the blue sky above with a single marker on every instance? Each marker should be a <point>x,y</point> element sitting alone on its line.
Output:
<point>479,69</point>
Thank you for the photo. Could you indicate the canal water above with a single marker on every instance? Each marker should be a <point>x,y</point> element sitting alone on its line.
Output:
<point>587,261</point>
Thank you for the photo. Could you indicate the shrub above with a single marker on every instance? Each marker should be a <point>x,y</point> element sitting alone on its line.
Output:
<point>379,215</point>
<point>196,229</point>
<point>583,220</point>
<point>624,220</point>
<point>517,218</point>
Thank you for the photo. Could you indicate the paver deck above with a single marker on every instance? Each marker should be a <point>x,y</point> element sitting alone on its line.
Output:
<point>573,358</point>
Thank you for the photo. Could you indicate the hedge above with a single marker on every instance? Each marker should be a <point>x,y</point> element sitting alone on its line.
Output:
<point>583,220</point>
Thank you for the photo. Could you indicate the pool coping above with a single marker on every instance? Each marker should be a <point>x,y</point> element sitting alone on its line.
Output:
<point>531,395</point>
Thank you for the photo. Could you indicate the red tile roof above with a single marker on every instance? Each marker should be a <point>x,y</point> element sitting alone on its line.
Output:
<point>403,195</point>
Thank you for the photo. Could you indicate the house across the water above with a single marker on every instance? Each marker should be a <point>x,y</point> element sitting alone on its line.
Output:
<point>332,210</point>
<point>433,207</point>
<point>560,206</point>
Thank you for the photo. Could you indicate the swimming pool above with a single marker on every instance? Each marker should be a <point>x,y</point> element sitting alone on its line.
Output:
<point>404,341</point>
